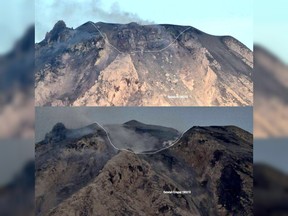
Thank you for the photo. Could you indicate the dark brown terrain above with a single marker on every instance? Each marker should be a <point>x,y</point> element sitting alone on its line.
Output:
<point>17,196</point>
<point>82,174</point>
<point>270,191</point>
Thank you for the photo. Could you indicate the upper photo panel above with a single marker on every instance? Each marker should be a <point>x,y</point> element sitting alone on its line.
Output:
<point>143,53</point>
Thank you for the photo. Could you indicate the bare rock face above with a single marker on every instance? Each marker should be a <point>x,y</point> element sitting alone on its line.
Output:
<point>126,186</point>
<point>17,197</point>
<point>101,64</point>
<point>119,82</point>
<point>66,161</point>
<point>222,158</point>
<point>208,172</point>
<point>17,89</point>
<point>271,95</point>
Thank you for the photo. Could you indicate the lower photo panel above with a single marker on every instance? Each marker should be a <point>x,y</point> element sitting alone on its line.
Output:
<point>144,161</point>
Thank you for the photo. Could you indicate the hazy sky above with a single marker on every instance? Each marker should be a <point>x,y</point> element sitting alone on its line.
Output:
<point>273,152</point>
<point>14,154</point>
<point>270,26</point>
<point>223,17</point>
<point>180,118</point>
<point>15,17</point>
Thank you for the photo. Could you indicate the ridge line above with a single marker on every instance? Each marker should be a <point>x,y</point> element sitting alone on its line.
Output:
<point>148,153</point>
<point>131,52</point>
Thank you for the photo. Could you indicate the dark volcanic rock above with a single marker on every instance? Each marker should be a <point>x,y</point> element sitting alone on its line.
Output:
<point>222,158</point>
<point>17,89</point>
<point>87,176</point>
<point>57,134</point>
<point>17,197</point>
<point>66,161</point>
<point>17,66</point>
<point>229,189</point>
<point>270,191</point>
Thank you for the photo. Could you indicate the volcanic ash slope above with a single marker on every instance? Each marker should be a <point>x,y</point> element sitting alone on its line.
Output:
<point>102,64</point>
<point>84,175</point>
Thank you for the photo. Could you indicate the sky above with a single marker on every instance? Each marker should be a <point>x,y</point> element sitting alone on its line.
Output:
<point>270,26</point>
<point>180,118</point>
<point>15,18</point>
<point>224,17</point>
<point>265,21</point>
<point>272,152</point>
<point>14,155</point>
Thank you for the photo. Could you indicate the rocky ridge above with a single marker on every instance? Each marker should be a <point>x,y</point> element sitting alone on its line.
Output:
<point>88,177</point>
<point>271,95</point>
<point>102,64</point>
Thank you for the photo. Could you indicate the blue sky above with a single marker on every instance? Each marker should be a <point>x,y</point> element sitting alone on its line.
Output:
<point>272,152</point>
<point>271,26</point>
<point>223,17</point>
<point>15,17</point>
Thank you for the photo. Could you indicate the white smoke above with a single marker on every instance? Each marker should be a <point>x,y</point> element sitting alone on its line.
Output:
<point>71,117</point>
<point>76,13</point>
<point>125,138</point>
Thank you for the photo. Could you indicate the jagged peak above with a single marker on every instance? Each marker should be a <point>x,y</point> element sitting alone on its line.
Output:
<point>59,25</point>
<point>59,127</point>
<point>56,31</point>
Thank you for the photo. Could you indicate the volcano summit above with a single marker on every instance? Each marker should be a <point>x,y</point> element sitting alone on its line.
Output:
<point>103,64</point>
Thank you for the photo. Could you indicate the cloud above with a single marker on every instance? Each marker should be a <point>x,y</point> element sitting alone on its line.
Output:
<point>76,12</point>
<point>124,138</point>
